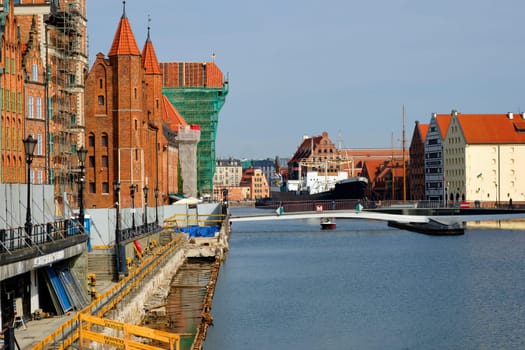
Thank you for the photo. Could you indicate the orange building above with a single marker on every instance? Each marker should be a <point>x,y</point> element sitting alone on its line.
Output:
<point>255,180</point>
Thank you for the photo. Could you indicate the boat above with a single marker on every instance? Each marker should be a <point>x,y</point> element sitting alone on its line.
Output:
<point>327,224</point>
<point>351,188</point>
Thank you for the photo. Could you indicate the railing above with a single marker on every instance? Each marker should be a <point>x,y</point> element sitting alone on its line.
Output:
<point>16,238</point>
<point>130,233</point>
<point>68,333</point>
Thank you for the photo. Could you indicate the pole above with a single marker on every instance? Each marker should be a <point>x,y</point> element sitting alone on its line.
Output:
<point>116,188</point>
<point>132,189</point>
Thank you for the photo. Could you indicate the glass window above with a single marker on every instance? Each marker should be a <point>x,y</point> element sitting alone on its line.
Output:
<point>34,72</point>
<point>104,140</point>
<point>105,187</point>
<point>30,107</point>
<point>39,108</point>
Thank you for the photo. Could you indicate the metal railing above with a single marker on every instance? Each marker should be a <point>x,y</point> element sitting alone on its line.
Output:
<point>16,238</point>
<point>130,233</point>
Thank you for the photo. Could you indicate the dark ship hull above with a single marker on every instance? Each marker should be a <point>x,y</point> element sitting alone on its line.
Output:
<point>353,188</point>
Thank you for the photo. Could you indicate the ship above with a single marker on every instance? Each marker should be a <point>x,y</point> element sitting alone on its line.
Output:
<point>350,188</point>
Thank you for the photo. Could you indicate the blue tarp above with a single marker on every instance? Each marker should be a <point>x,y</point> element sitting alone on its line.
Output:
<point>200,231</point>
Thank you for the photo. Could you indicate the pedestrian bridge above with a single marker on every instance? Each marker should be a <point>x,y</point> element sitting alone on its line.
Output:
<point>423,223</point>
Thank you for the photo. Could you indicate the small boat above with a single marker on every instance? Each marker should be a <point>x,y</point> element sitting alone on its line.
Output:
<point>327,224</point>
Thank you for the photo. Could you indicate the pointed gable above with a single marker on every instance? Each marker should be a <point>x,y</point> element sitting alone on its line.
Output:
<point>124,41</point>
<point>443,121</point>
<point>149,58</point>
<point>423,130</point>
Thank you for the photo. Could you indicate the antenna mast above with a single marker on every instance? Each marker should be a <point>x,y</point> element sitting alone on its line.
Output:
<point>404,163</point>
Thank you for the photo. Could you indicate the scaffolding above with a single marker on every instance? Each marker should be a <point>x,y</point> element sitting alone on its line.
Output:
<point>201,106</point>
<point>66,60</point>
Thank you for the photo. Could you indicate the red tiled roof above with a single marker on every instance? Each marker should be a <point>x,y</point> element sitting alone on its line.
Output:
<point>124,42</point>
<point>443,121</point>
<point>423,130</point>
<point>193,74</point>
<point>149,59</point>
<point>170,115</point>
<point>491,128</point>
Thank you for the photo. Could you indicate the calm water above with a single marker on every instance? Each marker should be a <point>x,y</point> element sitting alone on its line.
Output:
<point>289,285</point>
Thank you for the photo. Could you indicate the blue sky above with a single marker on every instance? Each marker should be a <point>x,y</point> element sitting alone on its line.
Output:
<point>346,67</point>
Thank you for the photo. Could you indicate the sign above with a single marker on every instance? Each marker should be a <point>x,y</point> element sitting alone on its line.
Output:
<point>45,260</point>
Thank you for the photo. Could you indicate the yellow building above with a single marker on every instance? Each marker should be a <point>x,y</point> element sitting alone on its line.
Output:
<point>485,157</point>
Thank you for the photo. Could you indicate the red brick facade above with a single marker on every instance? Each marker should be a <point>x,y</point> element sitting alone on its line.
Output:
<point>127,140</point>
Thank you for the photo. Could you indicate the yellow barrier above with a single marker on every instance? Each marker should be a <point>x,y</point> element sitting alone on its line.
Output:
<point>125,332</point>
<point>109,299</point>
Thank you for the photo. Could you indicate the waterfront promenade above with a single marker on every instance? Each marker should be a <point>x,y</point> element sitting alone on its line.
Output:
<point>129,299</point>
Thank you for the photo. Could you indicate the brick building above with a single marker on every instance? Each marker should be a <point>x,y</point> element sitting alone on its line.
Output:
<point>129,137</point>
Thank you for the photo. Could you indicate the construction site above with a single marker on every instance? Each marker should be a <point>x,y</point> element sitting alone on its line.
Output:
<point>198,91</point>
<point>67,62</point>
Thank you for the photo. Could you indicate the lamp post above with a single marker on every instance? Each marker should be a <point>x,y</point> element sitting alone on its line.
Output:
<point>29,149</point>
<point>156,206</point>
<point>132,189</point>
<point>81,153</point>
<point>145,190</point>
<point>116,189</point>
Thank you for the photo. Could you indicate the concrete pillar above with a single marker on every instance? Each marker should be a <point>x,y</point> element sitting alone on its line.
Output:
<point>34,303</point>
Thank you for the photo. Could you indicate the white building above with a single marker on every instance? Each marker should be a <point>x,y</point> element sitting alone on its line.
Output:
<point>485,157</point>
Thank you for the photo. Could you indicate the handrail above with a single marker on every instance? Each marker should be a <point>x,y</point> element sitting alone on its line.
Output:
<point>68,332</point>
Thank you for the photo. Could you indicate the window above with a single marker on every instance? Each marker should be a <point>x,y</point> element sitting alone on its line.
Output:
<point>50,107</point>
<point>30,107</point>
<point>100,83</point>
<point>105,187</point>
<point>104,140</point>
<point>39,108</point>
<point>101,100</point>
<point>34,72</point>
<point>92,187</point>
<point>39,145</point>
<point>91,161</point>
<point>91,140</point>
<point>105,161</point>
<point>40,175</point>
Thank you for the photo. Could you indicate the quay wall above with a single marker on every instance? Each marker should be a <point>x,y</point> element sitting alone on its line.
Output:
<point>132,309</point>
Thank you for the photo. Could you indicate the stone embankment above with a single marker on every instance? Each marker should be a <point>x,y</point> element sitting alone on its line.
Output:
<point>148,300</point>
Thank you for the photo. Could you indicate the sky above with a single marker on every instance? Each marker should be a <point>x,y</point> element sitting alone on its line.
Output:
<point>301,67</point>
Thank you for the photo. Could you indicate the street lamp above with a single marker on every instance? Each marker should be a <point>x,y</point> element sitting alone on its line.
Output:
<point>132,189</point>
<point>145,190</point>
<point>116,189</point>
<point>81,153</point>
<point>29,149</point>
<point>156,206</point>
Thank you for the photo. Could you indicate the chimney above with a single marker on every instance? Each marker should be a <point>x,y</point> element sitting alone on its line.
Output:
<point>522,115</point>
<point>510,115</point>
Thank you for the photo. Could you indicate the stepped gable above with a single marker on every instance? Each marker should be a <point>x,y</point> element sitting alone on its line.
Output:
<point>149,58</point>
<point>490,128</point>
<point>304,151</point>
<point>124,42</point>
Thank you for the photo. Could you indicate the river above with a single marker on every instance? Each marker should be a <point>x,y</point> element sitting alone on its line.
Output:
<point>289,285</point>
